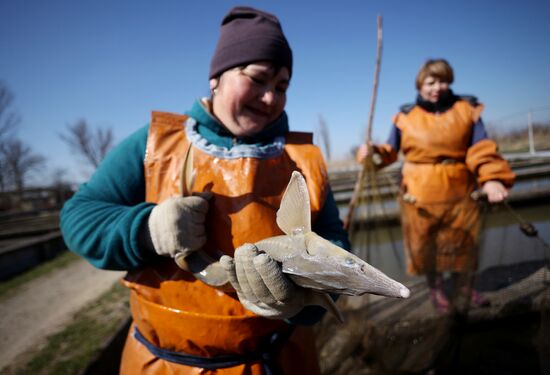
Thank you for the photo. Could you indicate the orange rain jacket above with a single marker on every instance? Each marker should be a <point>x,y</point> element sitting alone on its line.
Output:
<point>441,169</point>
<point>176,312</point>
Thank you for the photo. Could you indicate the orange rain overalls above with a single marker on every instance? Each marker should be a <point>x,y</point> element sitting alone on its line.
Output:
<point>440,221</point>
<point>174,311</point>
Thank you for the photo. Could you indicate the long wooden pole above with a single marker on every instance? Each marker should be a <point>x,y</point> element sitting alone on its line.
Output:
<point>367,164</point>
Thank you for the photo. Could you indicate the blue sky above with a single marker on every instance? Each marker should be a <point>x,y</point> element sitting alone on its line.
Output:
<point>112,62</point>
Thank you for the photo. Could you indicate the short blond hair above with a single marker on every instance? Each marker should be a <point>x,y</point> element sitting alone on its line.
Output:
<point>438,68</point>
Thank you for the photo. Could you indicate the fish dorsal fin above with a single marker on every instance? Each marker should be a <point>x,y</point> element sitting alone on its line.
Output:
<point>294,215</point>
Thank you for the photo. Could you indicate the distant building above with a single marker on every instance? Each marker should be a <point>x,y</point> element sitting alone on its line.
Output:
<point>50,198</point>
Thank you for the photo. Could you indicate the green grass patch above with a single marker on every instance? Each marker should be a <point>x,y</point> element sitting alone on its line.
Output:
<point>72,349</point>
<point>10,286</point>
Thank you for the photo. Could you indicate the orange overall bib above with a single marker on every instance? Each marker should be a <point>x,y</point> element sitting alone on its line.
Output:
<point>440,221</point>
<point>174,311</point>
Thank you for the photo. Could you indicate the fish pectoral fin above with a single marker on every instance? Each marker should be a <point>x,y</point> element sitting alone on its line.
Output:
<point>205,268</point>
<point>294,214</point>
<point>324,300</point>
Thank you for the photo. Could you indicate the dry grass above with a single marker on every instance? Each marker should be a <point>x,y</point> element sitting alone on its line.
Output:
<point>517,140</point>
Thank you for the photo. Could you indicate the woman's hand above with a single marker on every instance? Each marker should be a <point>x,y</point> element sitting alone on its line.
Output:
<point>362,152</point>
<point>176,226</point>
<point>261,285</point>
<point>495,190</point>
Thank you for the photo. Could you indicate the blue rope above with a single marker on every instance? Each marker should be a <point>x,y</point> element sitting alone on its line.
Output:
<point>266,355</point>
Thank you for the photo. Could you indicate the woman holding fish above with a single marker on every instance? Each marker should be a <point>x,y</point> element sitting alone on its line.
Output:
<point>447,156</point>
<point>176,195</point>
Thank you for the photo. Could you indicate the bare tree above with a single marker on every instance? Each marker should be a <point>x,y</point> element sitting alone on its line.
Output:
<point>8,118</point>
<point>9,121</point>
<point>61,185</point>
<point>20,161</point>
<point>58,177</point>
<point>93,146</point>
<point>323,131</point>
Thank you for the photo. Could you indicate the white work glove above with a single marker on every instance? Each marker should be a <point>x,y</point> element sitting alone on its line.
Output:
<point>177,225</point>
<point>261,285</point>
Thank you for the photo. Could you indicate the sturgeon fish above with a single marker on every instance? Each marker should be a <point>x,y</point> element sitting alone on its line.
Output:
<point>306,258</point>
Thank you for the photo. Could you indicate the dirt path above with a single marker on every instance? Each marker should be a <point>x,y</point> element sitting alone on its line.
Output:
<point>45,304</point>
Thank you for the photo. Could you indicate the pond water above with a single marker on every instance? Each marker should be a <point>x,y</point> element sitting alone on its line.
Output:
<point>501,242</point>
<point>532,183</point>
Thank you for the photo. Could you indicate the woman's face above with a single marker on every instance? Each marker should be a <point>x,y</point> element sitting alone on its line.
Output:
<point>433,88</point>
<point>247,99</point>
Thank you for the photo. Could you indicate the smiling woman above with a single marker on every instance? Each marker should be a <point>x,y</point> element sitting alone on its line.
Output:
<point>235,153</point>
<point>248,98</point>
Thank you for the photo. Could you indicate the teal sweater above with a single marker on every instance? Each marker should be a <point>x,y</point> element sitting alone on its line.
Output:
<point>101,222</point>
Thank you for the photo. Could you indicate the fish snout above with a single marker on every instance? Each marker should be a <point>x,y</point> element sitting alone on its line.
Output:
<point>377,282</point>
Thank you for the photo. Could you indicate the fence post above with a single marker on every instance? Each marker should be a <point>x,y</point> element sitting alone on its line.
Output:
<point>530,128</point>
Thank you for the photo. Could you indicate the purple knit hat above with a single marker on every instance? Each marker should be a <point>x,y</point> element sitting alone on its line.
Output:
<point>249,35</point>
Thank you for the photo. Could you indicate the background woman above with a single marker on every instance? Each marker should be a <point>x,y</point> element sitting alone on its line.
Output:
<point>447,155</point>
